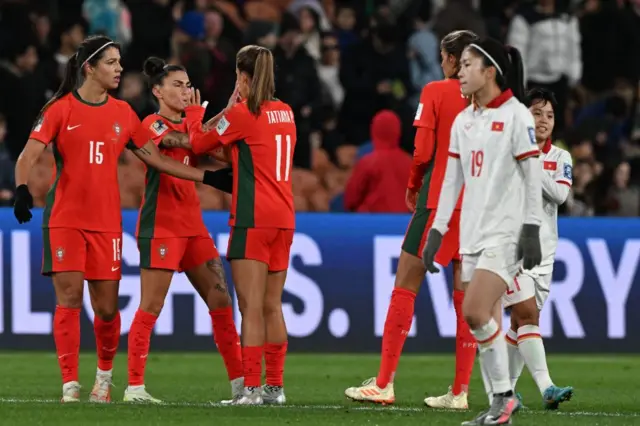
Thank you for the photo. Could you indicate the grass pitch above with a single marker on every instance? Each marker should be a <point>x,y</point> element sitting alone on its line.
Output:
<point>605,392</point>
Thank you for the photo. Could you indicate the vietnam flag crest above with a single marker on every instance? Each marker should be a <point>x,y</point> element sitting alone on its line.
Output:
<point>497,126</point>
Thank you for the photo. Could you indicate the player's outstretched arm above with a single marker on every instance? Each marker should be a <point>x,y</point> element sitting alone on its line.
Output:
<point>175,139</point>
<point>449,194</point>
<point>151,156</point>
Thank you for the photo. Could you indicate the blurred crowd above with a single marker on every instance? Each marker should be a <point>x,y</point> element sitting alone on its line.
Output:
<point>352,71</point>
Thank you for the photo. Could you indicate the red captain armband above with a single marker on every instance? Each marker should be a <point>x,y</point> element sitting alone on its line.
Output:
<point>528,154</point>
<point>454,155</point>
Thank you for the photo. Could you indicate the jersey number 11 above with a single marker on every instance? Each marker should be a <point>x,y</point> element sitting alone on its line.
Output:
<point>283,175</point>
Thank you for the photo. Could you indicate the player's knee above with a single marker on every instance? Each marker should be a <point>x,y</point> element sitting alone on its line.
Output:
<point>152,305</point>
<point>105,312</point>
<point>474,317</point>
<point>70,296</point>
<point>217,299</point>
<point>525,313</point>
<point>272,309</point>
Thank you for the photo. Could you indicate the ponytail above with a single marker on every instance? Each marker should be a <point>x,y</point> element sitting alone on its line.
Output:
<point>69,82</point>
<point>263,84</point>
<point>515,75</point>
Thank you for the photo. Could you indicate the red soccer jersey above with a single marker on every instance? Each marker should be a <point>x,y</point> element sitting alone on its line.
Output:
<point>171,206</point>
<point>261,155</point>
<point>440,103</point>
<point>87,141</point>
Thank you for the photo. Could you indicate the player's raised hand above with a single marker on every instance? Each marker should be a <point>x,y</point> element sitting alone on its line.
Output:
<point>234,98</point>
<point>434,240</point>
<point>23,204</point>
<point>194,99</point>
<point>529,249</point>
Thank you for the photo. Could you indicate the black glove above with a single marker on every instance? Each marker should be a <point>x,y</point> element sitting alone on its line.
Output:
<point>529,249</point>
<point>434,240</point>
<point>220,179</point>
<point>23,203</point>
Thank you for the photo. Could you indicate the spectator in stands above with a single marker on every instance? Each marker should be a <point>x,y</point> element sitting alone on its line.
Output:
<point>456,15</point>
<point>580,200</point>
<point>262,33</point>
<point>22,91</point>
<point>623,199</point>
<point>424,54</point>
<point>219,83</point>
<point>375,76</point>
<point>132,90</point>
<point>550,43</point>
<point>189,49</point>
<point>380,178</point>
<point>298,85</point>
<point>310,31</point>
<point>329,71</point>
<point>110,18</point>
<point>346,27</point>
<point>6,168</point>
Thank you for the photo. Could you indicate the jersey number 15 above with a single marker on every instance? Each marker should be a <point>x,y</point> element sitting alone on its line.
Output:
<point>95,155</point>
<point>282,170</point>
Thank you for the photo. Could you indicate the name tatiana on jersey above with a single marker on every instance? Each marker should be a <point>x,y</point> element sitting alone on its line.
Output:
<point>280,116</point>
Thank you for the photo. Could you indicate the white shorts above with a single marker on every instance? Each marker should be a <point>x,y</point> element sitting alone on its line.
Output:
<point>527,285</point>
<point>502,261</point>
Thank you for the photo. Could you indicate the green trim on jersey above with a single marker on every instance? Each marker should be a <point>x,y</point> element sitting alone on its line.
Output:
<point>47,259</point>
<point>144,246</point>
<point>148,212</point>
<point>417,228</point>
<point>238,244</point>
<point>96,104</point>
<point>246,191</point>
<point>51,195</point>
<point>423,195</point>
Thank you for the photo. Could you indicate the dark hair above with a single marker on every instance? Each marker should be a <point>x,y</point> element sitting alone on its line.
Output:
<point>156,70</point>
<point>90,51</point>
<point>508,64</point>
<point>257,63</point>
<point>541,95</point>
<point>455,42</point>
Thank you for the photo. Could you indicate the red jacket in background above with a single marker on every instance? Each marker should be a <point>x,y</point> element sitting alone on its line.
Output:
<point>379,180</point>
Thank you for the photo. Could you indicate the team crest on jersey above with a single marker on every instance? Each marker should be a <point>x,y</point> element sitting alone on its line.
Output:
<point>222,126</point>
<point>532,135</point>
<point>159,127</point>
<point>38,124</point>
<point>568,171</point>
<point>162,250</point>
<point>60,254</point>
<point>117,128</point>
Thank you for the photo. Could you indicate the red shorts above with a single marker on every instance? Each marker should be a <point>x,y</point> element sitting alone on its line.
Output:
<point>416,236</point>
<point>97,254</point>
<point>176,254</point>
<point>268,245</point>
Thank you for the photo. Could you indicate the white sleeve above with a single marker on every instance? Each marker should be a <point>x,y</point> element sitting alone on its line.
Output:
<point>523,138</point>
<point>557,188</point>
<point>451,185</point>
<point>525,150</point>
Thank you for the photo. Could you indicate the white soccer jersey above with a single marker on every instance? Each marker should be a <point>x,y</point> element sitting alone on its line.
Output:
<point>556,183</point>
<point>489,143</point>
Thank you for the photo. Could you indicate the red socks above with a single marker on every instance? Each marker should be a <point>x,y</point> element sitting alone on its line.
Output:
<point>227,341</point>
<point>396,329</point>
<point>252,365</point>
<point>66,335</point>
<point>274,356</point>
<point>139,340</point>
<point>466,347</point>
<point>107,339</point>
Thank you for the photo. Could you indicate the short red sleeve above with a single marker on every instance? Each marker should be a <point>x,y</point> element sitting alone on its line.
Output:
<point>48,124</point>
<point>231,127</point>
<point>134,124</point>
<point>152,128</point>
<point>428,106</point>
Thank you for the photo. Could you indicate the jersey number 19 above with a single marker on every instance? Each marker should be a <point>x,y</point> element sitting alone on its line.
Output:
<point>283,175</point>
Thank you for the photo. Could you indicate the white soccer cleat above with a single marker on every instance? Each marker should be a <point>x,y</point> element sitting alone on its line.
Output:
<point>237,391</point>
<point>139,394</point>
<point>101,392</point>
<point>273,395</point>
<point>70,392</point>
<point>449,401</point>
<point>370,392</point>
<point>251,396</point>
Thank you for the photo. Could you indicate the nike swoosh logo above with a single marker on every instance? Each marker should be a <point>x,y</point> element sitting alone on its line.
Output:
<point>73,127</point>
<point>114,268</point>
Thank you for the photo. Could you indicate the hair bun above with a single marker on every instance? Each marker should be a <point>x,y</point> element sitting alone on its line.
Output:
<point>153,66</point>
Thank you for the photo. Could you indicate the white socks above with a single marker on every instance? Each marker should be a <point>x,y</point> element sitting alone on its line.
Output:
<point>516,362</point>
<point>493,355</point>
<point>532,351</point>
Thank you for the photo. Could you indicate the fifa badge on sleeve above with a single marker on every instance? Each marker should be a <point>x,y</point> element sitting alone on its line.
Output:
<point>568,171</point>
<point>532,135</point>
<point>159,127</point>
<point>222,126</point>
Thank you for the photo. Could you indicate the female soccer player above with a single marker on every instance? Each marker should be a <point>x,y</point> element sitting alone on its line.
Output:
<point>262,135</point>
<point>493,153</point>
<point>440,102</point>
<point>170,242</point>
<point>82,221</point>
<point>531,287</point>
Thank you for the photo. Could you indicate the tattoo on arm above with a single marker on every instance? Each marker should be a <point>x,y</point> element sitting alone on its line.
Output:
<point>144,151</point>
<point>175,139</point>
<point>216,267</point>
